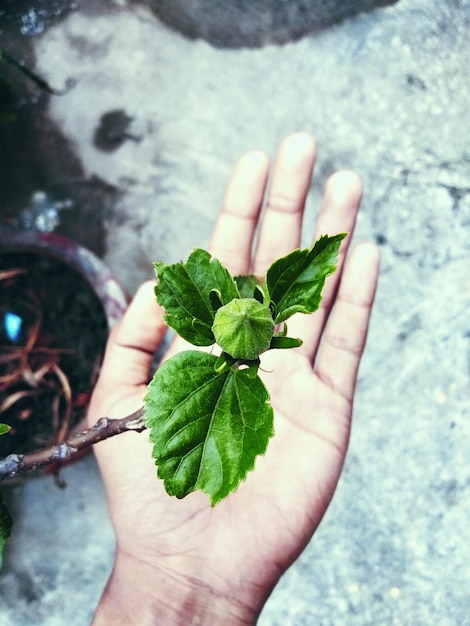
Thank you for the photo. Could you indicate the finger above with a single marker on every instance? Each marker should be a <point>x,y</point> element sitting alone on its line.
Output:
<point>340,205</point>
<point>291,179</point>
<point>232,239</point>
<point>134,341</point>
<point>345,333</point>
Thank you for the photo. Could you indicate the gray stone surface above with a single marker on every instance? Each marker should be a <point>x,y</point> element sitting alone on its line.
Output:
<point>61,550</point>
<point>386,94</point>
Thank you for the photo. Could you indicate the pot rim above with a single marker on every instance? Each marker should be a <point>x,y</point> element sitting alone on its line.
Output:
<point>86,263</point>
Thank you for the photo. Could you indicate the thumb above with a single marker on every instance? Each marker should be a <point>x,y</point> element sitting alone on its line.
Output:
<point>133,342</point>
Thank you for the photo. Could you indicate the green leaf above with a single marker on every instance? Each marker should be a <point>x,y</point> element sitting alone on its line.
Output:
<point>280,342</point>
<point>295,282</point>
<point>184,289</point>
<point>251,286</point>
<point>6,524</point>
<point>4,429</point>
<point>207,426</point>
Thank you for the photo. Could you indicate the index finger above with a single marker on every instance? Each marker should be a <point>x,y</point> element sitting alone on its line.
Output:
<point>234,231</point>
<point>291,179</point>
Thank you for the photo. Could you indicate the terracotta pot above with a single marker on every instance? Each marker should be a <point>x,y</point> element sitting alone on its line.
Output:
<point>60,256</point>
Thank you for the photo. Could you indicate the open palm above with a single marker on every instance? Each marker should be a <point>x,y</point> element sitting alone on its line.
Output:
<point>184,561</point>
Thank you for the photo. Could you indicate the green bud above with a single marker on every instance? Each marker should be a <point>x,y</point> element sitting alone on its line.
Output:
<point>243,328</point>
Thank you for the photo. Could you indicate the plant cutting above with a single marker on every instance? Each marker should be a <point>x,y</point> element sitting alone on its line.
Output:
<point>208,413</point>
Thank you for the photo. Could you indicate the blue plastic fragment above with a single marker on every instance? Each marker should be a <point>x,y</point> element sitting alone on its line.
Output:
<point>12,324</point>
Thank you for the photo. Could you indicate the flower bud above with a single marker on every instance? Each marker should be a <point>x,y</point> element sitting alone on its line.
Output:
<point>243,328</point>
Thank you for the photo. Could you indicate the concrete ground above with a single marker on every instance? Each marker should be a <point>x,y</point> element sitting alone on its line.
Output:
<point>384,93</point>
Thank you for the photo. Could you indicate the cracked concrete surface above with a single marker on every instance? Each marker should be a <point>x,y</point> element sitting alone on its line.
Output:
<point>386,94</point>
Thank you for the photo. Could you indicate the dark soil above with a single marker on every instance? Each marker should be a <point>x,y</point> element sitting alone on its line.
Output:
<point>53,332</point>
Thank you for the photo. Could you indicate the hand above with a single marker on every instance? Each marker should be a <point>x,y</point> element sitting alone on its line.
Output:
<point>180,561</point>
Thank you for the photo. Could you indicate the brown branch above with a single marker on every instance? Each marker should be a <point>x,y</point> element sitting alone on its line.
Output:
<point>104,428</point>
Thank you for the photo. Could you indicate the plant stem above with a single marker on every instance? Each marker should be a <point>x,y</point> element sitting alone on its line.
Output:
<point>15,464</point>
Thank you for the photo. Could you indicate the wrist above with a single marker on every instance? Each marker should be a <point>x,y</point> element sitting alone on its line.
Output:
<point>140,593</point>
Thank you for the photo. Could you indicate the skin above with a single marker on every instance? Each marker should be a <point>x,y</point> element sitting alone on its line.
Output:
<point>180,561</point>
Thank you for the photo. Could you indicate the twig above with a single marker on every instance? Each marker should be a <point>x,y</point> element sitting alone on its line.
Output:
<point>35,78</point>
<point>104,428</point>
